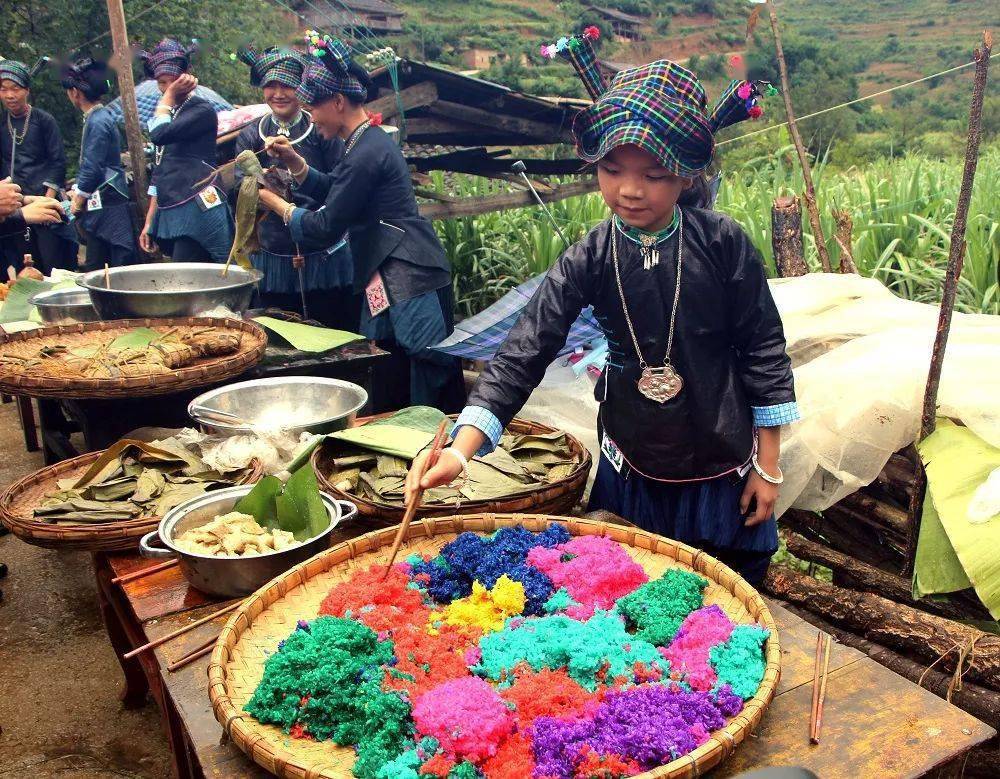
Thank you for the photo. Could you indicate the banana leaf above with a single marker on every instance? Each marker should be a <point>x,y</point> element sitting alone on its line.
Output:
<point>175,494</point>
<point>300,507</point>
<point>386,465</point>
<point>149,485</point>
<point>16,308</point>
<point>308,338</point>
<point>395,440</point>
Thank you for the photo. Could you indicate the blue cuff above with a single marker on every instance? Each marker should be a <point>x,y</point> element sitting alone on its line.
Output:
<point>776,416</point>
<point>295,225</point>
<point>486,422</point>
<point>156,121</point>
<point>151,190</point>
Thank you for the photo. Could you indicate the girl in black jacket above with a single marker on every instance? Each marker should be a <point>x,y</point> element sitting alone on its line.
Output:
<point>697,383</point>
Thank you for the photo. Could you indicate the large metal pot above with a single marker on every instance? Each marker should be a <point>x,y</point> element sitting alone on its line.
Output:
<point>169,289</point>
<point>233,577</point>
<point>64,306</point>
<point>294,404</point>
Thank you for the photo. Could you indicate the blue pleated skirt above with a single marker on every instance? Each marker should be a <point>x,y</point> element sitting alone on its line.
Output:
<point>213,228</point>
<point>323,270</point>
<point>704,514</point>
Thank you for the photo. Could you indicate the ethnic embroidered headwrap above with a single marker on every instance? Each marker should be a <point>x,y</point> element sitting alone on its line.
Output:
<point>86,74</point>
<point>168,57</point>
<point>281,65</point>
<point>15,71</point>
<point>579,50</point>
<point>330,71</point>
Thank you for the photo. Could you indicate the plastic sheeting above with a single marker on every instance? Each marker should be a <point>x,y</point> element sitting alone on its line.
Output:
<point>861,357</point>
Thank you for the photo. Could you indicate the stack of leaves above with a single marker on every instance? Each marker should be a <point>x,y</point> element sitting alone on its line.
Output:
<point>140,352</point>
<point>295,507</point>
<point>132,480</point>
<point>372,461</point>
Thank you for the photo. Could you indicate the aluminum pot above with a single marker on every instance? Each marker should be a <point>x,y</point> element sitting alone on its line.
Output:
<point>308,404</point>
<point>64,306</point>
<point>233,577</point>
<point>169,289</point>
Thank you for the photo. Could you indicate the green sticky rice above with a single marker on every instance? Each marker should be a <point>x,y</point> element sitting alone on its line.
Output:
<point>740,661</point>
<point>559,601</point>
<point>657,609</point>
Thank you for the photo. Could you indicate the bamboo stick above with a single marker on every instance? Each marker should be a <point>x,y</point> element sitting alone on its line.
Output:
<point>131,577</point>
<point>818,722</point>
<point>193,655</point>
<point>181,631</point>
<point>956,258</point>
<point>815,689</point>
<point>800,149</point>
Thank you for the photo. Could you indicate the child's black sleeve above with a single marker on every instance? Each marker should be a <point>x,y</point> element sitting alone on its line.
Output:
<point>519,366</point>
<point>757,334</point>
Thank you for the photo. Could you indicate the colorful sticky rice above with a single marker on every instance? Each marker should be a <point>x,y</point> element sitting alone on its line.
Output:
<point>698,634</point>
<point>594,571</point>
<point>592,652</point>
<point>486,610</point>
<point>658,608</point>
<point>518,655</point>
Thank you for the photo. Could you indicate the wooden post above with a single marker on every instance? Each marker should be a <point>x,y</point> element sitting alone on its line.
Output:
<point>122,63</point>
<point>786,237</point>
<point>786,93</point>
<point>956,258</point>
<point>845,239</point>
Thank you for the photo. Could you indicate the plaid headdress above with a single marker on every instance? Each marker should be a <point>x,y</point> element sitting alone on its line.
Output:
<point>84,74</point>
<point>15,71</point>
<point>740,101</point>
<point>579,50</point>
<point>281,65</point>
<point>168,57</point>
<point>329,71</point>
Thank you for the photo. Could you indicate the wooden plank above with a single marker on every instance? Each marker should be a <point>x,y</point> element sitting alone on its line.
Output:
<point>875,723</point>
<point>507,200</point>
<point>417,96</point>
<point>541,132</point>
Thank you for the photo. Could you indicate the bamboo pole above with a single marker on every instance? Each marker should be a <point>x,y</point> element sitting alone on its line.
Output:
<point>956,259</point>
<point>793,128</point>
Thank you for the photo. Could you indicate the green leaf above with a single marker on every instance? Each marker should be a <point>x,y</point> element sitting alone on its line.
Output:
<point>415,417</point>
<point>15,308</point>
<point>307,338</point>
<point>260,501</point>
<point>138,338</point>
<point>300,507</point>
<point>396,440</point>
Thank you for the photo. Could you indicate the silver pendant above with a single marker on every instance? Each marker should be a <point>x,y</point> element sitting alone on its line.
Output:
<point>282,130</point>
<point>660,384</point>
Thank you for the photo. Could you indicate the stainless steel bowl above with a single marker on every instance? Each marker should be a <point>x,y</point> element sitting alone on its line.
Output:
<point>233,577</point>
<point>64,306</point>
<point>294,404</point>
<point>169,289</point>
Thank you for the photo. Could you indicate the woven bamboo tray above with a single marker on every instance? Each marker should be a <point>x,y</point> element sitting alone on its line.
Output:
<point>557,498</point>
<point>18,501</point>
<point>270,614</point>
<point>253,341</point>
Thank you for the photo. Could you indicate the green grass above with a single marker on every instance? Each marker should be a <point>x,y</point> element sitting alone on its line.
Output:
<point>903,210</point>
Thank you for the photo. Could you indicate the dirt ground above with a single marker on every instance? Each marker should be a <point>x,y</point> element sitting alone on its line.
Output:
<point>59,679</point>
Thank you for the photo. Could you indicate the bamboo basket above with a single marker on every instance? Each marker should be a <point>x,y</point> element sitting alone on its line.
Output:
<point>560,497</point>
<point>270,614</point>
<point>209,370</point>
<point>18,501</point>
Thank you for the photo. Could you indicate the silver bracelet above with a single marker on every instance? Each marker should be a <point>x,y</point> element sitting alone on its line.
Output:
<point>779,479</point>
<point>462,459</point>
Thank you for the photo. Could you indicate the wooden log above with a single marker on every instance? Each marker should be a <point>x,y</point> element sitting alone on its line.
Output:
<point>540,132</point>
<point>983,762</point>
<point>900,627</point>
<point>483,205</point>
<point>786,237</point>
<point>891,517</point>
<point>845,239</point>
<point>857,540</point>
<point>868,578</point>
<point>980,702</point>
<point>417,96</point>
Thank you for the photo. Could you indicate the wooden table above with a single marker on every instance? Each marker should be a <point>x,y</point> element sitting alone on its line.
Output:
<point>876,723</point>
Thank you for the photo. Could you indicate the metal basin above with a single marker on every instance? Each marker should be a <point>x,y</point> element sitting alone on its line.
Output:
<point>294,404</point>
<point>233,577</point>
<point>64,306</point>
<point>169,289</point>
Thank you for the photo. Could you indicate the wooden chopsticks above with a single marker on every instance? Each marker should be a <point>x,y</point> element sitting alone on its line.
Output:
<point>131,577</point>
<point>181,631</point>
<point>437,446</point>
<point>821,673</point>
<point>193,655</point>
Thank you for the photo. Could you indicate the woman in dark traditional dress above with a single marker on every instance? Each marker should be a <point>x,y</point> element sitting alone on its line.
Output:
<point>100,197</point>
<point>328,271</point>
<point>33,157</point>
<point>188,216</point>
<point>399,262</point>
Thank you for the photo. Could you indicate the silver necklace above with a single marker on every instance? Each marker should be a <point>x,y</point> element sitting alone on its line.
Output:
<point>19,138</point>
<point>663,383</point>
<point>158,150</point>
<point>356,135</point>
<point>286,129</point>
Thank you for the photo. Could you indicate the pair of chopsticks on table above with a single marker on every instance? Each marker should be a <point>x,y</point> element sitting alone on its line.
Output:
<point>194,654</point>
<point>821,671</point>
